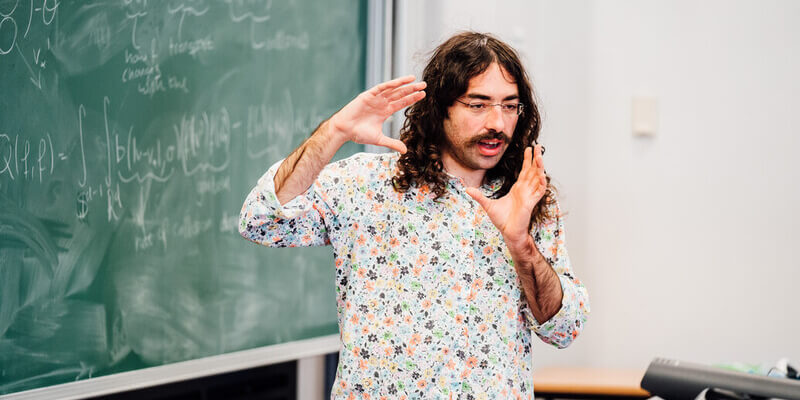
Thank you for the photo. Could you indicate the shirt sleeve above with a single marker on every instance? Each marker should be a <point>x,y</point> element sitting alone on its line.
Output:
<point>299,222</point>
<point>561,329</point>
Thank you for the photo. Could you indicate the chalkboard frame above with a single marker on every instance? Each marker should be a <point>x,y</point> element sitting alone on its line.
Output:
<point>181,371</point>
<point>378,69</point>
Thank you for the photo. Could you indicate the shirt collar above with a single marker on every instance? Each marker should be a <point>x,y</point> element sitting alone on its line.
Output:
<point>487,188</point>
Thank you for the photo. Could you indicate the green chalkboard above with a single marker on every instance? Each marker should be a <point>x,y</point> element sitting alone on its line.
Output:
<point>130,133</point>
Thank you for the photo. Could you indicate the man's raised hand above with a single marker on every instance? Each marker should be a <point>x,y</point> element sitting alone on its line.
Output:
<point>511,213</point>
<point>362,119</point>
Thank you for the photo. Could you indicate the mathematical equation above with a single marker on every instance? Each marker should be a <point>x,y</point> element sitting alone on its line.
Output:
<point>156,32</point>
<point>131,100</point>
<point>29,14</point>
<point>26,158</point>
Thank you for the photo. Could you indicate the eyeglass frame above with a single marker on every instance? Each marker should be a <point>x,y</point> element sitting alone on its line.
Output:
<point>520,107</point>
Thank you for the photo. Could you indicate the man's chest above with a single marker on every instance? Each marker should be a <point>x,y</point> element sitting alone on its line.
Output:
<point>409,247</point>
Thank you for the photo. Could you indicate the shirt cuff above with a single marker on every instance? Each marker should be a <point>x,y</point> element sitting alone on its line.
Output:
<point>564,315</point>
<point>295,207</point>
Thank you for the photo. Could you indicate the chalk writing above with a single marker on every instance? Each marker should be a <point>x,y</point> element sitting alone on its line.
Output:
<point>201,143</point>
<point>282,41</point>
<point>26,159</point>
<point>100,33</point>
<point>137,57</point>
<point>204,141</point>
<point>114,202</point>
<point>213,185</point>
<point>81,115</point>
<point>82,204</point>
<point>152,84</point>
<point>192,47</point>
<point>176,83</point>
<point>148,238</point>
<point>228,222</point>
<point>129,74</point>
<point>185,10</point>
<point>48,12</point>
<point>9,29</point>
<point>35,78</point>
<point>137,3</point>
<point>256,11</point>
<point>135,17</point>
<point>10,156</point>
<point>151,160</point>
<point>8,33</point>
<point>101,191</point>
<point>189,227</point>
<point>144,68</point>
<point>267,123</point>
<point>85,197</point>
<point>113,197</point>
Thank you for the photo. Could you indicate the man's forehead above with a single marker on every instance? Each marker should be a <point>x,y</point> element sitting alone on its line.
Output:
<point>493,83</point>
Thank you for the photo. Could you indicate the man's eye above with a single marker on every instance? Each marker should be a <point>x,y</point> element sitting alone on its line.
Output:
<point>509,107</point>
<point>477,106</point>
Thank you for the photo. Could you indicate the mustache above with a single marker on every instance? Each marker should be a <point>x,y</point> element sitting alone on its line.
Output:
<point>490,135</point>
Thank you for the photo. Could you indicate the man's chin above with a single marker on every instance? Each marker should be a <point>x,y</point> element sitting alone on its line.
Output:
<point>487,162</point>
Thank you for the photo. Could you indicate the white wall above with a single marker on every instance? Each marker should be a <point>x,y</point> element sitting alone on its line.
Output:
<point>686,240</point>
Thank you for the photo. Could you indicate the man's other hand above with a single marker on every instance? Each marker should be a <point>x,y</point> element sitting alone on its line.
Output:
<point>362,119</point>
<point>511,214</point>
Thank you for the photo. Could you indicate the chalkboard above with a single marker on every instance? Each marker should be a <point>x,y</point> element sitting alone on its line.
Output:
<point>130,133</point>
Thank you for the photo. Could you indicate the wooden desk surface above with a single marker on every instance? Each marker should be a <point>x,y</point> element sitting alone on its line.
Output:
<point>590,381</point>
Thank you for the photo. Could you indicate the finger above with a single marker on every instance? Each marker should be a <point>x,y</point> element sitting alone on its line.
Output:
<point>536,186</point>
<point>393,144</point>
<point>541,186</point>
<point>537,163</point>
<point>392,84</point>
<point>398,105</point>
<point>479,197</point>
<point>525,174</point>
<point>406,90</point>
<point>538,157</point>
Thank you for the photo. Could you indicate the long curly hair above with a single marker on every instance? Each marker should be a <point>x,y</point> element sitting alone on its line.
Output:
<point>447,75</point>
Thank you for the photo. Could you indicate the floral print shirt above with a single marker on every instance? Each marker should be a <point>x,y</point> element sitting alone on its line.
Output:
<point>429,304</point>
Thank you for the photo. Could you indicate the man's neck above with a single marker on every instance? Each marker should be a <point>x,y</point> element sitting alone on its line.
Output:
<point>471,177</point>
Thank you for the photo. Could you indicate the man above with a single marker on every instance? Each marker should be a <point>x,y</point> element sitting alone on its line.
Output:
<point>449,254</point>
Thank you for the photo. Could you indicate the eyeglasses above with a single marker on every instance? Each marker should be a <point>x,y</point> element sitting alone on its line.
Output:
<point>482,107</point>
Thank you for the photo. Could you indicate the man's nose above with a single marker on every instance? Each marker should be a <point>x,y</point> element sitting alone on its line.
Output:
<point>494,119</point>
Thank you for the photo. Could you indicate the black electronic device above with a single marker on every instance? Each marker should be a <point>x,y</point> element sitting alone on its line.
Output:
<point>673,379</point>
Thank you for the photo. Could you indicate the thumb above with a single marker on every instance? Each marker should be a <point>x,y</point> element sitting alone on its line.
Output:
<point>479,197</point>
<point>393,144</point>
